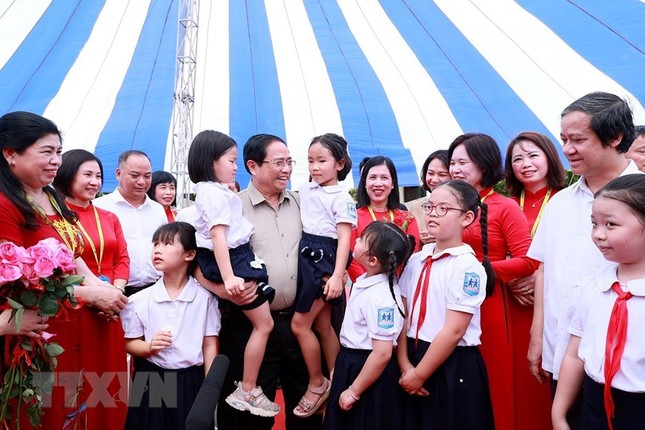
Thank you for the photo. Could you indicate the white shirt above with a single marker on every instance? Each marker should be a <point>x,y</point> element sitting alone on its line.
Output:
<point>457,283</point>
<point>371,313</point>
<point>191,316</point>
<point>563,243</point>
<point>218,205</point>
<point>187,214</point>
<point>138,224</point>
<point>590,321</point>
<point>322,208</point>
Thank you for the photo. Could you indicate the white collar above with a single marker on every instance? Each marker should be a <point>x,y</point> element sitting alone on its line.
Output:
<point>160,294</point>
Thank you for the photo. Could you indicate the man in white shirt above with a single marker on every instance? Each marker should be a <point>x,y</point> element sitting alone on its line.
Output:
<point>596,131</point>
<point>139,215</point>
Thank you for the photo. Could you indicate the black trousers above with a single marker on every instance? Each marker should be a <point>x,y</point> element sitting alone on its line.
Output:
<point>282,361</point>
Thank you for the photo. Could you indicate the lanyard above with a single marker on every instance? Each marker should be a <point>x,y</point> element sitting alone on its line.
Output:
<point>98,258</point>
<point>540,212</point>
<point>66,230</point>
<point>492,190</point>
<point>369,208</point>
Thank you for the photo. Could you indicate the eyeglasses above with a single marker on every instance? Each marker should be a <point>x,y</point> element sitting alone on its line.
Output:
<point>440,210</point>
<point>280,163</point>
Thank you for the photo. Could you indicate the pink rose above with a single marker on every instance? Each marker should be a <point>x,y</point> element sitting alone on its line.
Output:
<point>44,267</point>
<point>65,258</point>
<point>11,253</point>
<point>40,250</point>
<point>9,272</point>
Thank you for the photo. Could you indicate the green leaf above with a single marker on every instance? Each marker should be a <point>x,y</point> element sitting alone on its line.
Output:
<point>28,298</point>
<point>26,346</point>
<point>14,304</point>
<point>72,280</point>
<point>48,306</point>
<point>54,349</point>
<point>18,314</point>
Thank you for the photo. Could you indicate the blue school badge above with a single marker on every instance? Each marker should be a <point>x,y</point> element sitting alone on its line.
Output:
<point>471,283</point>
<point>351,209</point>
<point>385,317</point>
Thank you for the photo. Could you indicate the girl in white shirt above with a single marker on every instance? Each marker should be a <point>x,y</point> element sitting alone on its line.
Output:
<point>364,393</point>
<point>606,350</point>
<point>444,286</point>
<point>172,327</point>
<point>225,256</point>
<point>328,215</point>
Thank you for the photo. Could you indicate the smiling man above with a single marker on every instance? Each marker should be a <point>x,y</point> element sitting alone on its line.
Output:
<point>596,131</point>
<point>139,215</point>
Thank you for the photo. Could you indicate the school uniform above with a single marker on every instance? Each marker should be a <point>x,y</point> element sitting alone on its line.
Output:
<point>372,313</point>
<point>590,321</point>
<point>459,392</point>
<point>189,317</point>
<point>321,209</point>
<point>218,205</point>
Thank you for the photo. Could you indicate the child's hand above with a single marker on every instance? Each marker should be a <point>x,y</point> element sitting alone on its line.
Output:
<point>162,339</point>
<point>412,383</point>
<point>333,287</point>
<point>234,286</point>
<point>347,399</point>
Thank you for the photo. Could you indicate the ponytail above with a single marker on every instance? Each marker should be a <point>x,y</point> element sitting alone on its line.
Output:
<point>390,271</point>
<point>488,267</point>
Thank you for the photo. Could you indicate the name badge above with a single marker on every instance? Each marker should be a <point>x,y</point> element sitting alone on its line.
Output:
<point>104,278</point>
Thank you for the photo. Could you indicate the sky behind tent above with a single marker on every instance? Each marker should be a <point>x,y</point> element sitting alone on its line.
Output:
<point>399,78</point>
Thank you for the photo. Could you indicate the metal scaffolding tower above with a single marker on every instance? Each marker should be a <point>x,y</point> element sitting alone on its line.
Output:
<point>183,108</point>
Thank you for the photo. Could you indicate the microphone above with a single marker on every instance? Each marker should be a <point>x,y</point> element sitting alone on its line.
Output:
<point>201,415</point>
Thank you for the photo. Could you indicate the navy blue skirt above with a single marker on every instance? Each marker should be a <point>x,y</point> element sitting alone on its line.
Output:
<point>459,395</point>
<point>160,399</point>
<point>244,266</point>
<point>379,406</point>
<point>317,259</point>
<point>629,408</point>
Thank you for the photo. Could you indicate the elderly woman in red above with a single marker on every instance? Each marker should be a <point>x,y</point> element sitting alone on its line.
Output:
<point>30,210</point>
<point>476,159</point>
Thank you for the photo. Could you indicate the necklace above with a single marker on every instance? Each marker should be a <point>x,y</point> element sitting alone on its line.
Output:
<point>544,200</point>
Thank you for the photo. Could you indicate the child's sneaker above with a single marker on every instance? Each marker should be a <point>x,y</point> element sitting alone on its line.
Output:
<point>254,401</point>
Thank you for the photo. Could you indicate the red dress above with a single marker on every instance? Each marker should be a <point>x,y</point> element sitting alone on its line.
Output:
<point>533,405</point>
<point>98,334</point>
<point>402,218</point>
<point>83,347</point>
<point>505,323</point>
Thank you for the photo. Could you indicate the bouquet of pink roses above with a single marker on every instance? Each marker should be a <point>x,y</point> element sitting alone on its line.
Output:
<point>34,278</point>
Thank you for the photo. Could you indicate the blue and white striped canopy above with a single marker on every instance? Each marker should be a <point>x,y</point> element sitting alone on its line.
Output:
<point>395,77</point>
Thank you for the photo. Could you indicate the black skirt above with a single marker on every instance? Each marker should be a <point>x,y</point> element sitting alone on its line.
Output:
<point>379,406</point>
<point>628,408</point>
<point>160,399</point>
<point>316,260</point>
<point>459,395</point>
<point>242,261</point>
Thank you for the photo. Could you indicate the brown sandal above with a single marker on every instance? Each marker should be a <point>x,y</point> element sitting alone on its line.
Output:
<point>307,408</point>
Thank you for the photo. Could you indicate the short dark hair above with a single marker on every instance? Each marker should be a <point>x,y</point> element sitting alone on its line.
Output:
<point>18,131</point>
<point>337,145</point>
<point>639,131</point>
<point>555,174</point>
<point>393,201</point>
<point>255,148</point>
<point>72,161</point>
<point>484,152</point>
<point>207,146</point>
<point>186,235</point>
<point>441,155</point>
<point>611,118</point>
<point>123,157</point>
<point>161,177</point>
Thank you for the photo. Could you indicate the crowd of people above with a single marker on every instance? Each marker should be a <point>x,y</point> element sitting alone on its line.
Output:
<point>468,308</point>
